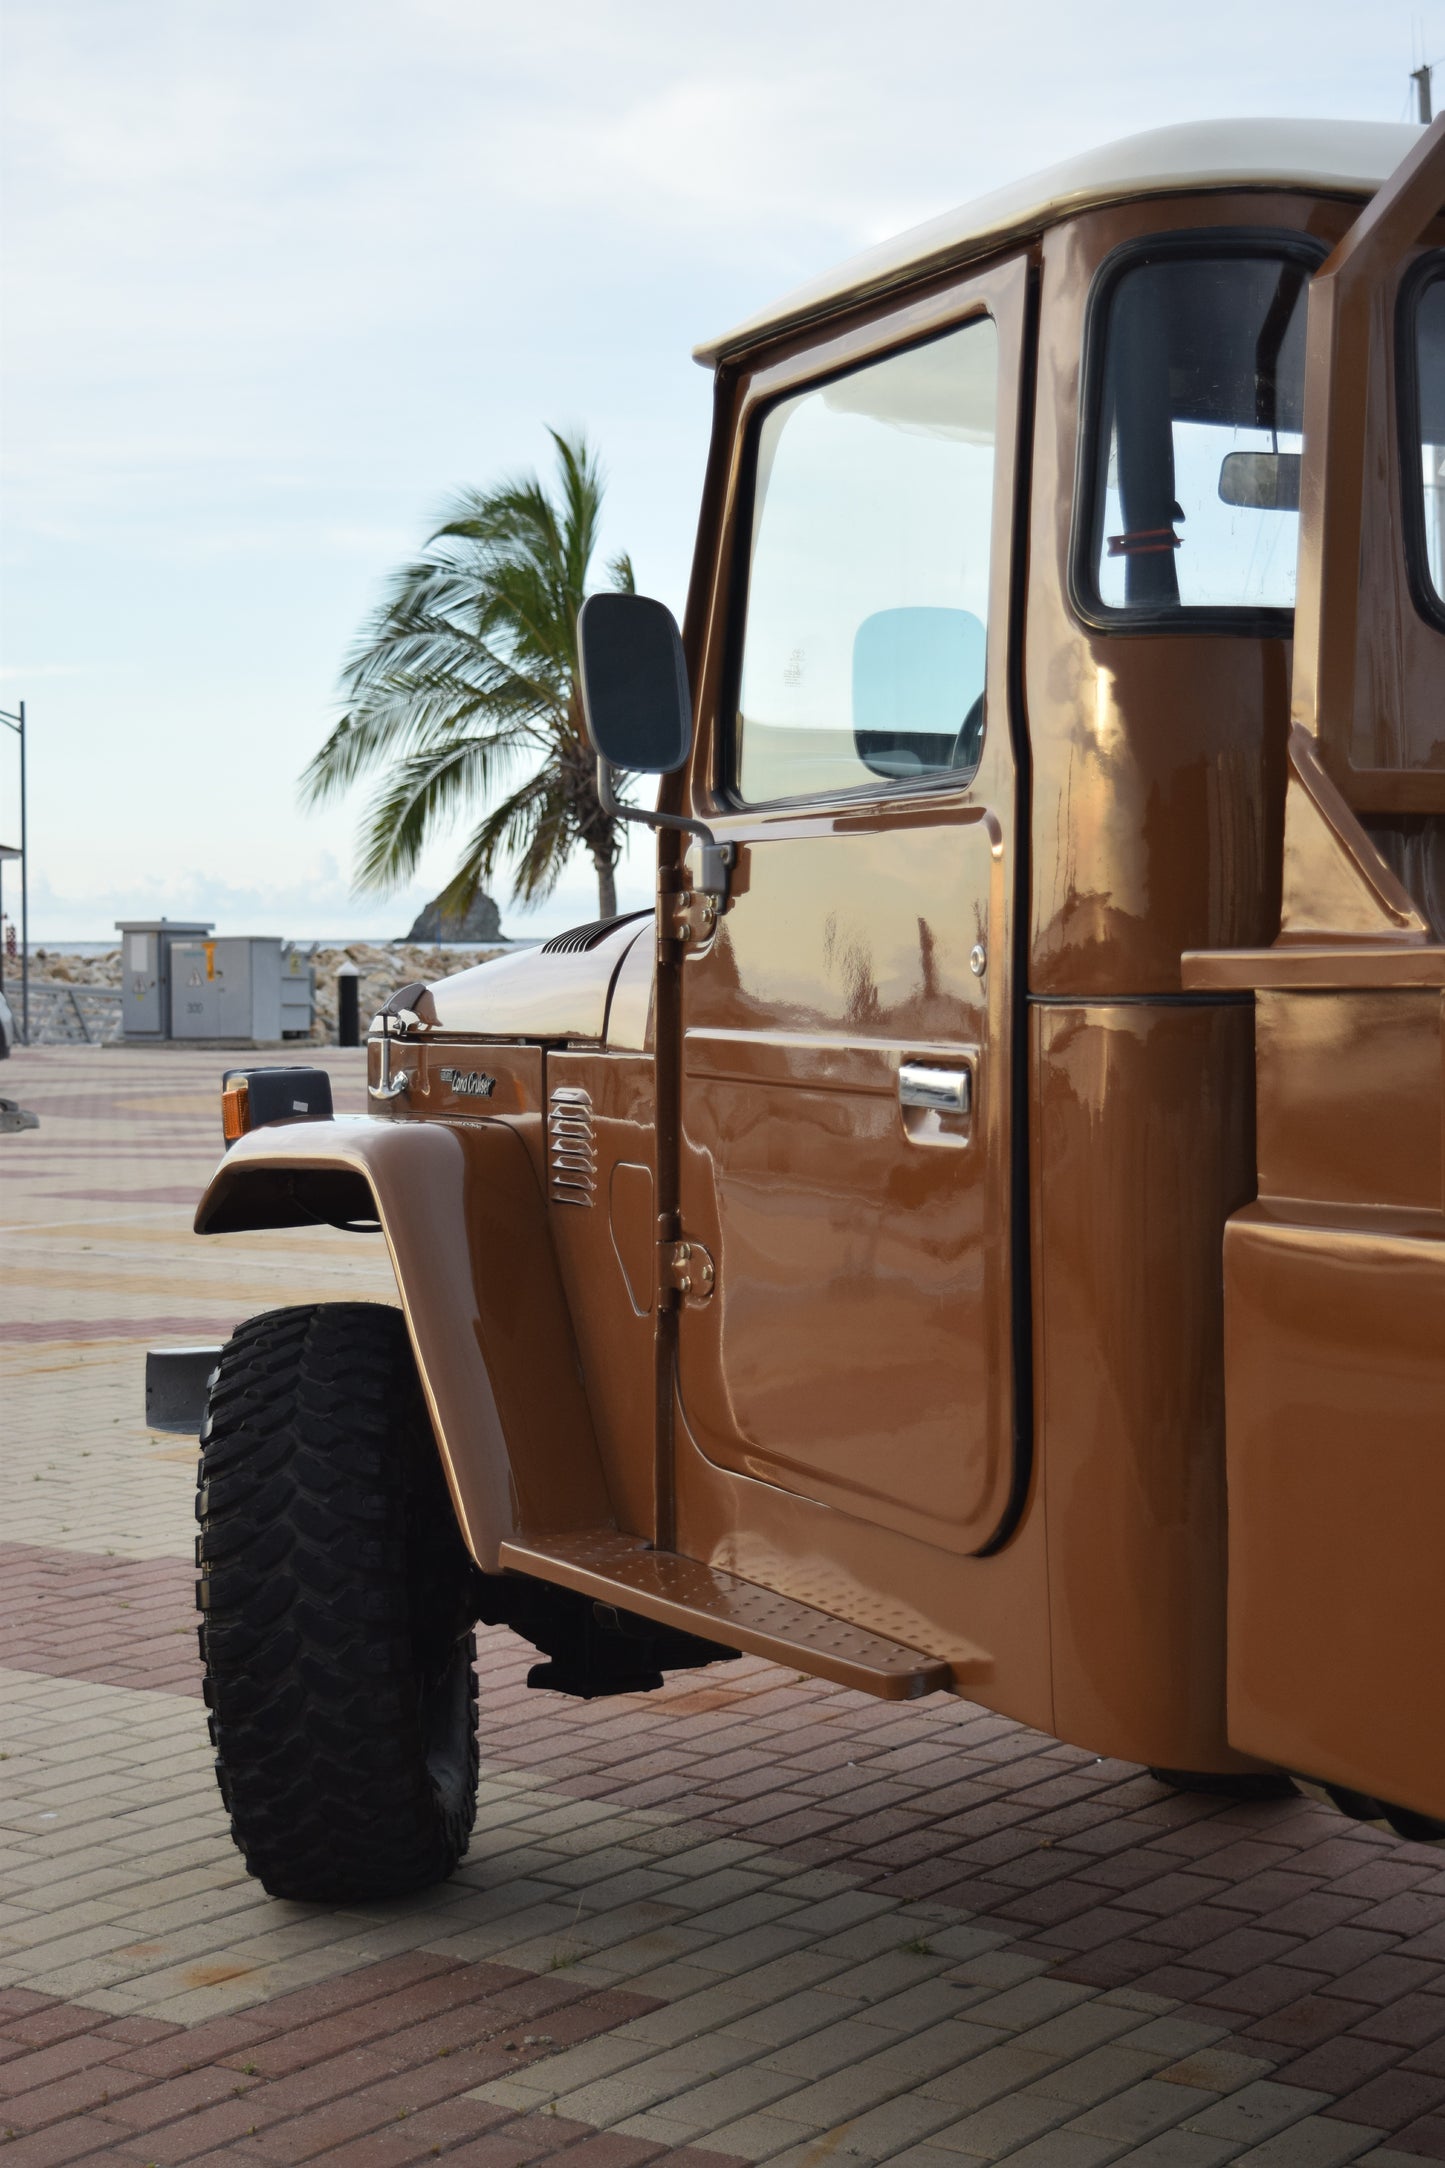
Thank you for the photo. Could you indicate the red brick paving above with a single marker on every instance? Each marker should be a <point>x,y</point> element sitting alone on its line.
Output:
<point>1316,1942</point>
<point>355,2069</point>
<point>116,1621</point>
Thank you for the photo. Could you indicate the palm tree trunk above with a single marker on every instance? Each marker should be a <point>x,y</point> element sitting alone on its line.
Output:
<point>606,888</point>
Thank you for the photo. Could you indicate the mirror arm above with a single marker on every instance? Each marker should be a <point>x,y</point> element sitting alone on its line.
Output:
<point>716,857</point>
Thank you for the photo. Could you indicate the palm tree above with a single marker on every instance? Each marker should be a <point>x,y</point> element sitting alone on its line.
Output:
<point>463,688</point>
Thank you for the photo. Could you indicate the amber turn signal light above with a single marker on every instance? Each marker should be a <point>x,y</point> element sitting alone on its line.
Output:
<point>235,1110</point>
<point>253,1099</point>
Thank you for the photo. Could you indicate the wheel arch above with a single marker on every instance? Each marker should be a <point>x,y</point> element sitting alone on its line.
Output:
<point>464,1222</point>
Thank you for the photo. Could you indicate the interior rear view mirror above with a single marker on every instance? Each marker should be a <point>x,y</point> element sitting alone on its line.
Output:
<point>635,694</point>
<point>1261,481</point>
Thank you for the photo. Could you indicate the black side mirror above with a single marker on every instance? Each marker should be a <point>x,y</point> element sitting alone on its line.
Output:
<point>635,693</point>
<point>638,710</point>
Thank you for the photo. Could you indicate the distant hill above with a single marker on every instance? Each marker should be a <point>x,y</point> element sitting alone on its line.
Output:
<point>483,922</point>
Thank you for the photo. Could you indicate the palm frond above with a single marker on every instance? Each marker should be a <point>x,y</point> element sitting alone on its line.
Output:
<point>466,671</point>
<point>421,791</point>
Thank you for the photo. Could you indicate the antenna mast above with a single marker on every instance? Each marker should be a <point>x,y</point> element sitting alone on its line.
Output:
<point>1420,77</point>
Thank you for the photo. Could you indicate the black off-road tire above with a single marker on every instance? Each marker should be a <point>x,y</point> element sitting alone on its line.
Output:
<point>335,1614</point>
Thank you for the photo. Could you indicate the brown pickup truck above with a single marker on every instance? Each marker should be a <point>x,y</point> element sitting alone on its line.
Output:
<point>984,1232</point>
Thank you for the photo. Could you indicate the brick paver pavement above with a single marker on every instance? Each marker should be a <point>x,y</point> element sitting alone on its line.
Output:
<point>749,1918</point>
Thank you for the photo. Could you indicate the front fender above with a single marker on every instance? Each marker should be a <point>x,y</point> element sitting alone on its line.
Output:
<point>465,1224</point>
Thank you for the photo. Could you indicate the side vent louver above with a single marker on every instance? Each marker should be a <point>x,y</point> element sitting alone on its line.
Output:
<point>571,1152</point>
<point>578,939</point>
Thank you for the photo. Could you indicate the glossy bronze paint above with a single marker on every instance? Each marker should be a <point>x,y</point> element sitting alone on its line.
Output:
<point>463,1219</point>
<point>1158,803</point>
<point>1369,666</point>
<point>607,1253</point>
<point>840,1416</point>
<point>1158,757</point>
<point>1336,1379</point>
<point>862,1251</point>
<point>1157,814</point>
<point>1336,1353</point>
<point>1335,1276</point>
<point>1143,1144</point>
<point>465,1081</point>
<point>1324,1059</point>
<point>857,1347</point>
<point>848,1458</point>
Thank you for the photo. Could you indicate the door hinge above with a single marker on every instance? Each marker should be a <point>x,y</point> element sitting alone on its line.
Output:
<point>687,1272</point>
<point>687,915</point>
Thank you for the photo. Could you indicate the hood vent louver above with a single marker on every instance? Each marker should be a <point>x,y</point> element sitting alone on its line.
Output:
<point>579,938</point>
<point>571,1149</point>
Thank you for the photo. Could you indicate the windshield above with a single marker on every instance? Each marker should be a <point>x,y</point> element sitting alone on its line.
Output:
<point>1195,503</point>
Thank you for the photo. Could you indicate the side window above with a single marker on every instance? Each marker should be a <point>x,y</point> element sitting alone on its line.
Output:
<point>1428,461</point>
<point>864,645</point>
<point>1198,407</point>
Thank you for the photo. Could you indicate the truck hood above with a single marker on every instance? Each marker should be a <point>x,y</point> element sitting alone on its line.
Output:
<point>562,990</point>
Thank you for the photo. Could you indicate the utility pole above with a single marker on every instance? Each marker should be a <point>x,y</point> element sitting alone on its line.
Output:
<point>16,722</point>
<point>1425,104</point>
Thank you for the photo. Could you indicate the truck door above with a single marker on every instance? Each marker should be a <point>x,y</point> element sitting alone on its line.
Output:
<point>847,1088</point>
<point>1335,1275</point>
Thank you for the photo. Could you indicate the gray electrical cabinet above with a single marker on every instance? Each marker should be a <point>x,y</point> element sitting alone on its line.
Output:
<point>228,989</point>
<point>177,983</point>
<point>298,994</point>
<point>145,957</point>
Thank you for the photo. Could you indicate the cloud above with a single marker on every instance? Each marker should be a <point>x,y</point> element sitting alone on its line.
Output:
<point>281,277</point>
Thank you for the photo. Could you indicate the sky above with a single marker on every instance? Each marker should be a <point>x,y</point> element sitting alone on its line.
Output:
<point>281,277</point>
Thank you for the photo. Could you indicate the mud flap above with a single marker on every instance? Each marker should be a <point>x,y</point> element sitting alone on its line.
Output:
<point>176,1382</point>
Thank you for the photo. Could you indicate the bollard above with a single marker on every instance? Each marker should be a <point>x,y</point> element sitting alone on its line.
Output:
<point>348,1005</point>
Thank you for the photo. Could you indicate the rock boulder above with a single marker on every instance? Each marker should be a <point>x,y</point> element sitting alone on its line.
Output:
<point>483,922</point>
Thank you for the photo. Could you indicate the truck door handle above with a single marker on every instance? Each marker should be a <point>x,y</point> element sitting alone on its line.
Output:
<point>929,1084</point>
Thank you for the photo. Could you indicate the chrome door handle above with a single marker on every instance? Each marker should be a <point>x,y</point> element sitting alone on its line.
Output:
<point>929,1084</point>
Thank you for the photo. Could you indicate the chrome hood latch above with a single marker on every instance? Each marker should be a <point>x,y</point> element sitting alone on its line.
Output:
<point>396,1021</point>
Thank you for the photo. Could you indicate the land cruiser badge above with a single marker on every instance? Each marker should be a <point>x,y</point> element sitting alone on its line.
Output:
<point>469,1083</point>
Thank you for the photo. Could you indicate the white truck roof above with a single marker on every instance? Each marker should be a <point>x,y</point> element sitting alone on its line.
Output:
<point>1329,157</point>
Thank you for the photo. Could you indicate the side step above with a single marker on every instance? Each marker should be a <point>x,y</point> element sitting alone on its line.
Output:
<point>622,1571</point>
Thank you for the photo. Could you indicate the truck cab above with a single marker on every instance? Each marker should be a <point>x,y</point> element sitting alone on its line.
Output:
<point>982,1232</point>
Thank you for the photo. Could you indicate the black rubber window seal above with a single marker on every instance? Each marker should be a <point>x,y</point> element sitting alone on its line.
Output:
<point>1204,244</point>
<point>1425,272</point>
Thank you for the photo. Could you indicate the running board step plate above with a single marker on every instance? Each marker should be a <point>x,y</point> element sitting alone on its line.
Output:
<point>622,1571</point>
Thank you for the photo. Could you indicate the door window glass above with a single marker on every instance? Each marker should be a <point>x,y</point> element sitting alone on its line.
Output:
<point>1196,497</point>
<point>1430,394</point>
<point>864,645</point>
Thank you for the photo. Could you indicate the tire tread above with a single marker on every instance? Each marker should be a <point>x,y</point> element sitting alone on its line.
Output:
<point>332,1583</point>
